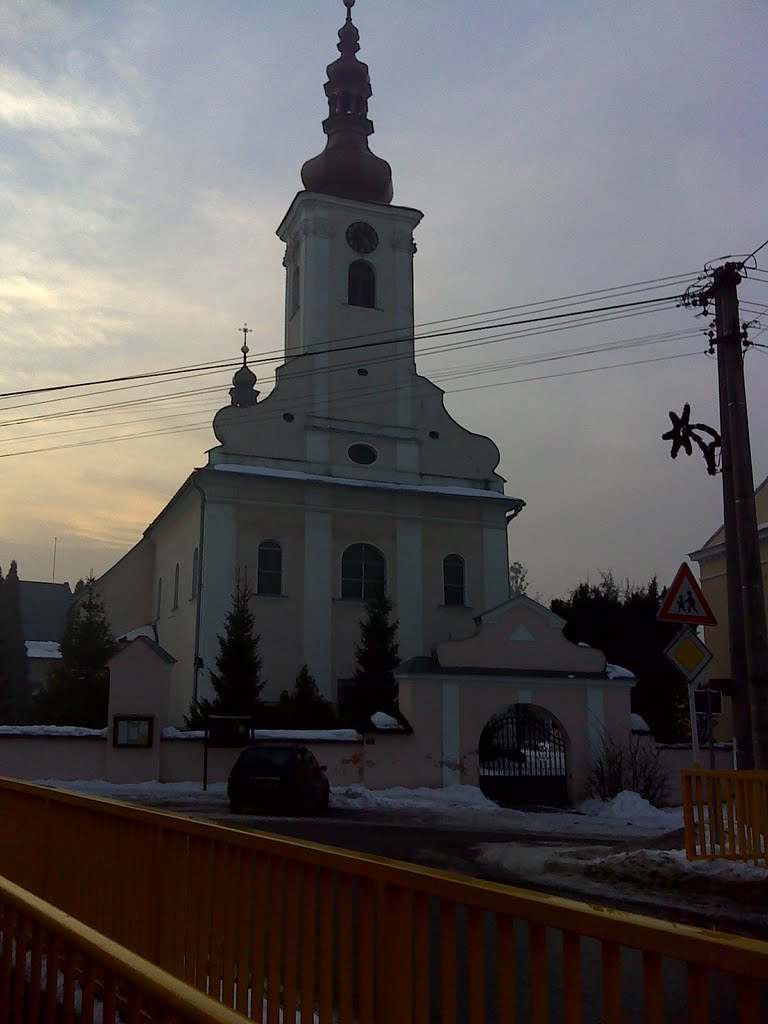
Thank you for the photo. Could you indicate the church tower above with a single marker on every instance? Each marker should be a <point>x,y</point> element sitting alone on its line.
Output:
<point>350,474</point>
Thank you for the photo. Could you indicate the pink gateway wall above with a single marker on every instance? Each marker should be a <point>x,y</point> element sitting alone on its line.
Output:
<point>53,757</point>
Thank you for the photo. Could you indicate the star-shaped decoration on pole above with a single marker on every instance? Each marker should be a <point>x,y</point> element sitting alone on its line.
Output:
<point>683,432</point>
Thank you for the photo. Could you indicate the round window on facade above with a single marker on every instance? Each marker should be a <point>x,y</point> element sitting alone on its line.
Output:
<point>362,454</point>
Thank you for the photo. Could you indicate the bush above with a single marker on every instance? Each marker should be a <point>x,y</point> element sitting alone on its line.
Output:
<point>634,765</point>
<point>304,707</point>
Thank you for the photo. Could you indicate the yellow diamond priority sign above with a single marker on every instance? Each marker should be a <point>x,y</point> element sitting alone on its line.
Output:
<point>688,654</point>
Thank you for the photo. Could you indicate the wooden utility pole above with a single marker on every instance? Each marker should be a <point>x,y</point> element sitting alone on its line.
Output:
<point>736,637</point>
<point>742,545</point>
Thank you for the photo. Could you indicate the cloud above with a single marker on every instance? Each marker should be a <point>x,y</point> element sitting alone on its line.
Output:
<point>25,105</point>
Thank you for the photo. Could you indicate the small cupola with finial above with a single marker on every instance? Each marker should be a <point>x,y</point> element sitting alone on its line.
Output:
<point>347,168</point>
<point>243,393</point>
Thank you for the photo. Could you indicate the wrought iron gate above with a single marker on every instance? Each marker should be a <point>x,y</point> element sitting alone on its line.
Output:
<point>522,753</point>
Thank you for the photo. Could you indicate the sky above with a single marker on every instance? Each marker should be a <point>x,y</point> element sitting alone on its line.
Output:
<point>148,152</point>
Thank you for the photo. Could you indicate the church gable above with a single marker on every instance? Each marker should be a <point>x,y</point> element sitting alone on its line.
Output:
<point>520,635</point>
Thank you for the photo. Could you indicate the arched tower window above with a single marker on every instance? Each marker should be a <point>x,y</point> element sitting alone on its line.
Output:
<point>195,572</point>
<point>363,572</point>
<point>454,581</point>
<point>176,586</point>
<point>295,290</point>
<point>269,578</point>
<point>361,290</point>
<point>159,597</point>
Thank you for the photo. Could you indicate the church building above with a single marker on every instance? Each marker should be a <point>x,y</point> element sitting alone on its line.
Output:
<point>349,475</point>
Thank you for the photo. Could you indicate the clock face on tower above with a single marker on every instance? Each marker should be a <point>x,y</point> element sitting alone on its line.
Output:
<point>362,237</point>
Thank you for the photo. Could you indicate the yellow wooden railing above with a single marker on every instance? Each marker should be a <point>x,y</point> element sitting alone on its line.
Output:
<point>726,815</point>
<point>268,924</point>
<point>53,968</point>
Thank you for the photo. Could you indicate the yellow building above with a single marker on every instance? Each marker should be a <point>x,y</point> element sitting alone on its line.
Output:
<point>711,559</point>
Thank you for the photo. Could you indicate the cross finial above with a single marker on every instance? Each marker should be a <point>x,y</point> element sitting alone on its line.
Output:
<point>349,4</point>
<point>245,330</point>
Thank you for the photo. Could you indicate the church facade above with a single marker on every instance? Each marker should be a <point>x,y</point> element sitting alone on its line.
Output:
<point>349,476</point>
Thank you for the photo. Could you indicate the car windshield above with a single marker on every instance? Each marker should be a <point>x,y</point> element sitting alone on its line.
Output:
<point>266,760</point>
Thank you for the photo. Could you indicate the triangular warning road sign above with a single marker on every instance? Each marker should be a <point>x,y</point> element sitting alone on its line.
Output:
<point>685,602</point>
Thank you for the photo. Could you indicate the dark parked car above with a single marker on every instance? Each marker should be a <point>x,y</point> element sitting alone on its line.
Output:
<point>278,777</point>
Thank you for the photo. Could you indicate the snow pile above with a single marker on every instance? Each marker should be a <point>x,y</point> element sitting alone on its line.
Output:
<point>638,723</point>
<point>400,798</point>
<point>381,720</point>
<point>49,730</point>
<point>618,672</point>
<point>43,649</point>
<point>632,808</point>
<point>299,735</point>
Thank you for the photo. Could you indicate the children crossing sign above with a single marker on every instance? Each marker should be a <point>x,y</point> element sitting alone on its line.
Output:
<point>684,601</point>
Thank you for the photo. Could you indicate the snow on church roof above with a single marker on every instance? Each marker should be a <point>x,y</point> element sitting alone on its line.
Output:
<point>382,485</point>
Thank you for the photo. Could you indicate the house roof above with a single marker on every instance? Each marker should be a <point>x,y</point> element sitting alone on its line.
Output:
<point>710,541</point>
<point>44,609</point>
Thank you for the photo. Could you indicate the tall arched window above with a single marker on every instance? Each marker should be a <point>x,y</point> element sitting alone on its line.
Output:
<point>269,578</point>
<point>363,572</point>
<point>195,571</point>
<point>361,290</point>
<point>159,597</point>
<point>176,587</point>
<point>295,286</point>
<point>453,581</point>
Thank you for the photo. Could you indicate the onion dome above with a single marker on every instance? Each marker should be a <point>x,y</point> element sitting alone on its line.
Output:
<point>346,167</point>
<point>243,393</point>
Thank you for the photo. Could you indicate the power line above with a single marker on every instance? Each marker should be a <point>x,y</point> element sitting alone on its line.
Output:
<point>438,374</point>
<point>338,347</point>
<point>446,374</point>
<point>206,425</point>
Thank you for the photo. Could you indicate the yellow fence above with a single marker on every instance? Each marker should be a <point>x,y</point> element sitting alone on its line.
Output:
<point>270,926</point>
<point>726,815</point>
<point>55,969</point>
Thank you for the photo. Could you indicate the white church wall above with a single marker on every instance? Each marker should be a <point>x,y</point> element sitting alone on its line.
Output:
<point>278,619</point>
<point>127,588</point>
<point>176,536</point>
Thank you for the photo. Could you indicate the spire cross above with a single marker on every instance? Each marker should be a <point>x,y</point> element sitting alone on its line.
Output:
<point>245,330</point>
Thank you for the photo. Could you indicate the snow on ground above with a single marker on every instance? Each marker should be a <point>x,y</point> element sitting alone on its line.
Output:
<point>466,806</point>
<point>719,889</point>
<point>156,794</point>
<point>628,815</point>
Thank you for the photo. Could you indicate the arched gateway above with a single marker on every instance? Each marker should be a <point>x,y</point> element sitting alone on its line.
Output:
<point>523,757</point>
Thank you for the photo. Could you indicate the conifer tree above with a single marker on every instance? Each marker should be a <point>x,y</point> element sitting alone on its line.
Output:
<point>377,658</point>
<point>77,689</point>
<point>621,620</point>
<point>14,649</point>
<point>237,682</point>
<point>304,707</point>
